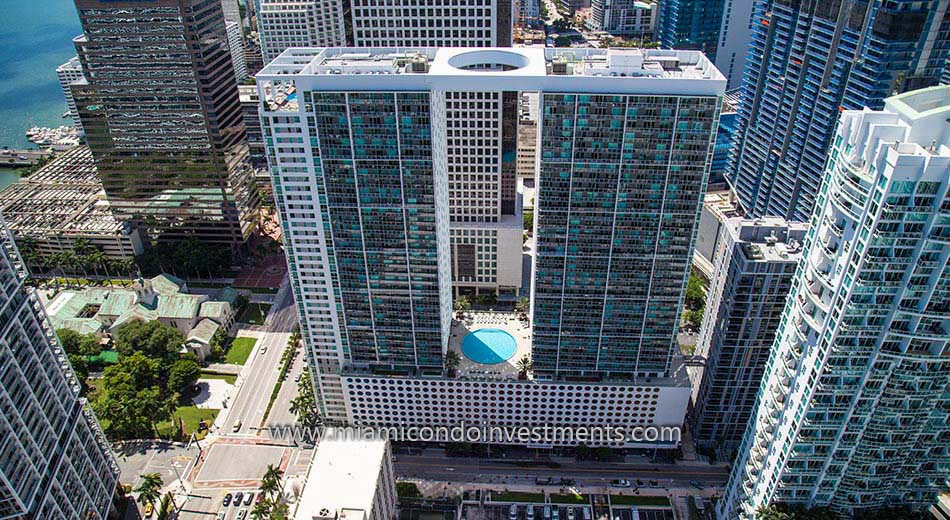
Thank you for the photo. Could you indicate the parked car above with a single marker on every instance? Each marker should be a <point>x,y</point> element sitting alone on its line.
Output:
<point>242,514</point>
<point>297,378</point>
<point>237,427</point>
<point>547,512</point>
<point>695,484</point>
<point>554,513</point>
<point>570,513</point>
<point>620,483</point>
<point>237,498</point>
<point>227,500</point>
<point>249,498</point>
<point>586,511</point>
<point>530,515</point>
<point>513,512</point>
<point>221,516</point>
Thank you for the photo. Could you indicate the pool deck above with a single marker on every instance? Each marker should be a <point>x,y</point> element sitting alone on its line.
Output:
<point>507,321</point>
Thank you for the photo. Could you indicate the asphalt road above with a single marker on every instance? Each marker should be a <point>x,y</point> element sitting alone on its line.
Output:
<point>249,404</point>
<point>586,474</point>
<point>280,413</point>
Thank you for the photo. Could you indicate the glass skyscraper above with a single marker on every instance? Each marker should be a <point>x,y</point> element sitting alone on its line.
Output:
<point>809,60</point>
<point>381,157</point>
<point>853,410</point>
<point>159,104</point>
<point>54,459</point>
<point>690,24</point>
<point>622,180</point>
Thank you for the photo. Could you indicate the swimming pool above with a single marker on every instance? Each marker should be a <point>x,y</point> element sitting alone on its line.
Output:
<point>489,346</point>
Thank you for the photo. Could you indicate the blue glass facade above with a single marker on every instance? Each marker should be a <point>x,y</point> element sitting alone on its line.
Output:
<point>375,163</point>
<point>620,187</point>
<point>690,24</point>
<point>808,60</point>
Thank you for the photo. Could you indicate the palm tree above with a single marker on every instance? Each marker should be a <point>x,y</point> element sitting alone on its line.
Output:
<point>261,510</point>
<point>148,489</point>
<point>462,304</point>
<point>524,366</point>
<point>271,481</point>
<point>452,361</point>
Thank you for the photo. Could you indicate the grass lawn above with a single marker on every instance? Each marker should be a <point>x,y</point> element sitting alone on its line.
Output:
<point>254,313</point>
<point>230,378</point>
<point>570,499</point>
<point>516,496</point>
<point>191,415</point>
<point>634,500</point>
<point>239,351</point>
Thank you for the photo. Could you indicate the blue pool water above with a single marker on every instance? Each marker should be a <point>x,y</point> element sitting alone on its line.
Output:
<point>489,346</point>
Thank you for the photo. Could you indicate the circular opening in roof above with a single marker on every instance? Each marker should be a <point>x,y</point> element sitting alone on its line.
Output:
<point>488,61</point>
<point>489,346</point>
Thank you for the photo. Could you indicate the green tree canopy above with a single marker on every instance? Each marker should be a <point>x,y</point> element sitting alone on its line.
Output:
<point>76,343</point>
<point>152,338</point>
<point>183,374</point>
<point>132,399</point>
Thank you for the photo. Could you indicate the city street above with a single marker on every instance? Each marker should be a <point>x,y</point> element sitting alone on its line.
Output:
<point>586,474</point>
<point>280,413</point>
<point>259,375</point>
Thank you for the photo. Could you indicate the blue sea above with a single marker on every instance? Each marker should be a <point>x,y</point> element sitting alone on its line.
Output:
<point>35,38</point>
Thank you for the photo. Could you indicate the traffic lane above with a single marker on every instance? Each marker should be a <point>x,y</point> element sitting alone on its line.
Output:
<point>408,466</point>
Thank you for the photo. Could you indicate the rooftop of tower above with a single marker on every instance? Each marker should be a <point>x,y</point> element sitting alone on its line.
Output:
<point>620,71</point>
<point>515,61</point>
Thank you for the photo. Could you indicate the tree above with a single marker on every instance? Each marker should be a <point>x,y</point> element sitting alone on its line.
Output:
<point>528,220</point>
<point>523,304</point>
<point>183,374</point>
<point>693,318</point>
<point>220,343</point>
<point>133,399</point>
<point>81,368</point>
<point>524,366</point>
<point>152,338</point>
<point>149,489</point>
<point>562,41</point>
<point>452,361</point>
<point>463,303</point>
<point>304,406</point>
<point>76,343</point>
<point>695,292</point>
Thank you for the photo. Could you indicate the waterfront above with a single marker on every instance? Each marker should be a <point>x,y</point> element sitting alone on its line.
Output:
<point>35,38</point>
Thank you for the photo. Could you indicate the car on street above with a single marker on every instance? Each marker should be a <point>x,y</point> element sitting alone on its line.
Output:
<point>242,514</point>
<point>237,427</point>
<point>249,498</point>
<point>570,513</point>
<point>220,516</point>
<point>297,378</point>
<point>620,483</point>
<point>227,500</point>
<point>695,484</point>
<point>237,498</point>
<point>264,349</point>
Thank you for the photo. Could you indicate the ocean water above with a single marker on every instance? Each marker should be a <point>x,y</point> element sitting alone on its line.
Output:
<point>35,38</point>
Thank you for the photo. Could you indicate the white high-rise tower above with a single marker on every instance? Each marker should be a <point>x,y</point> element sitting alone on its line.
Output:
<point>367,151</point>
<point>52,445</point>
<point>853,408</point>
